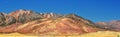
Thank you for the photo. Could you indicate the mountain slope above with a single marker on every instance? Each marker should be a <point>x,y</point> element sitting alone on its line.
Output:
<point>29,22</point>
<point>112,25</point>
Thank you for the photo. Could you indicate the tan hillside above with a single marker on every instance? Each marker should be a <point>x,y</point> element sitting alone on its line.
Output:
<point>27,22</point>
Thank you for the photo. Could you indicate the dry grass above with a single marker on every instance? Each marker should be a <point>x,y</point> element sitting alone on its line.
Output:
<point>95,34</point>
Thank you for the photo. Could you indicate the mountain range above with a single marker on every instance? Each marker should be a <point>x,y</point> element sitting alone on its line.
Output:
<point>30,22</point>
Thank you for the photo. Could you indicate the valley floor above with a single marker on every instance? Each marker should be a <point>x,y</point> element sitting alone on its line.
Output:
<point>95,34</point>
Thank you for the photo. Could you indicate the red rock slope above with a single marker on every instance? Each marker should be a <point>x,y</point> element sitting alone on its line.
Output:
<point>29,22</point>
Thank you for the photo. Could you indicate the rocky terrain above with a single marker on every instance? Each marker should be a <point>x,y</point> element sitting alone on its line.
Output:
<point>30,22</point>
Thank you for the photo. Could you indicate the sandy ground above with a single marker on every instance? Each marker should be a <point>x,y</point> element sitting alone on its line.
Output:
<point>95,34</point>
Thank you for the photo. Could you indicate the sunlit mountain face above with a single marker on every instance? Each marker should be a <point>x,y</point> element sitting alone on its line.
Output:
<point>30,22</point>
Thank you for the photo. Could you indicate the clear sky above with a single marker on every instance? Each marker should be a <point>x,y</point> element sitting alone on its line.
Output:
<point>95,10</point>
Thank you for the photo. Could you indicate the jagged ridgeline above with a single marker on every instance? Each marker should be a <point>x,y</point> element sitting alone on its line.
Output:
<point>30,22</point>
<point>23,16</point>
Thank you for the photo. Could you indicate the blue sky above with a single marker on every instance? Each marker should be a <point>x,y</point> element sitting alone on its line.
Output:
<point>95,10</point>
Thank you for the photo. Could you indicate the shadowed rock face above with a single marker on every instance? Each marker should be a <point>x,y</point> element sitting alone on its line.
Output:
<point>2,19</point>
<point>112,25</point>
<point>29,22</point>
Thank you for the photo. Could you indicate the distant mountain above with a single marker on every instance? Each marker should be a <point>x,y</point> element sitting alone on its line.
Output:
<point>112,25</point>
